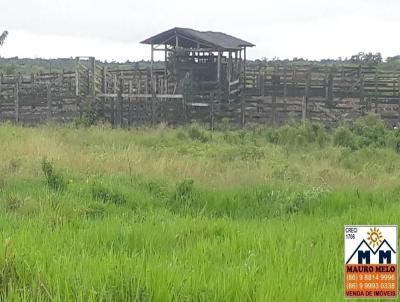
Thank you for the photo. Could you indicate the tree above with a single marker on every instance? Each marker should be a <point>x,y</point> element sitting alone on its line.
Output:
<point>367,58</point>
<point>3,37</point>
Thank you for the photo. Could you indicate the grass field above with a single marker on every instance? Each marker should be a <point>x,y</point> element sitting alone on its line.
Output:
<point>100,214</point>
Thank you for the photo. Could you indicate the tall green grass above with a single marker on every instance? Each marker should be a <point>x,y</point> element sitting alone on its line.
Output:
<point>99,214</point>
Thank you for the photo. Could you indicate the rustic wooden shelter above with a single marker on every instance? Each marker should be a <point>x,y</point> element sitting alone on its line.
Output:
<point>211,61</point>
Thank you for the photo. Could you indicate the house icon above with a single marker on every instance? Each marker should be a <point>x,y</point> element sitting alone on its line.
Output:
<point>364,254</point>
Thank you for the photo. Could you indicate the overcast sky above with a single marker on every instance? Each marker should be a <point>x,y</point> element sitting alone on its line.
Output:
<point>112,29</point>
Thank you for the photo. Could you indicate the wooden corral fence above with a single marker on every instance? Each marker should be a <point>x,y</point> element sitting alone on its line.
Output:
<point>324,94</point>
<point>272,96</point>
<point>33,99</point>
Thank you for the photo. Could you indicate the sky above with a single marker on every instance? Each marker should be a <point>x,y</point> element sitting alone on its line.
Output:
<point>112,30</point>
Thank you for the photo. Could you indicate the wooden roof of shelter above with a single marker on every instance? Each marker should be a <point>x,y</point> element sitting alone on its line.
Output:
<point>190,38</point>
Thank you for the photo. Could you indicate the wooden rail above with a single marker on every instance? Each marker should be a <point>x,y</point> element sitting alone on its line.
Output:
<point>273,95</point>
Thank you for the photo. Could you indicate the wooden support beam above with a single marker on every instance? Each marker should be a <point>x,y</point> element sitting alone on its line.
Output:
<point>244,65</point>
<point>219,67</point>
<point>166,62</point>
<point>152,69</point>
<point>230,67</point>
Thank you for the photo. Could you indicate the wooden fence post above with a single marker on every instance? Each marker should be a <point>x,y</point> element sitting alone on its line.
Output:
<point>16,99</point>
<point>211,114</point>
<point>398,95</point>
<point>113,99</point>
<point>138,101</point>
<point>77,77</point>
<point>1,96</point>
<point>262,84</point>
<point>243,108</point>
<point>104,89</point>
<point>376,91</point>
<point>329,91</point>
<point>1,84</point>
<point>120,103</point>
<point>153,102</point>
<point>184,109</point>
<point>275,83</point>
<point>361,95</point>
<point>284,91</point>
<point>130,91</point>
<point>49,101</point>
<point>304,105</point>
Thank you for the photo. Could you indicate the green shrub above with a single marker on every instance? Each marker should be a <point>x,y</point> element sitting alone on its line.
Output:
<point>14,165</point>
<point>92,210</point>
<point>13,203</point>
<point>2,183</point>
<point>183,198</point>
<point>198,134</point>
<point>393,140</point>
<point>370,131</point>
<point>298,134</point>
<point>106,195</point>
<point>251,153</point>
<point>184,191</point>
<point>54,180</point>
<point>8,270</point>
<point>88,117</point>
<point>344,138</point>
<point>181,135</point>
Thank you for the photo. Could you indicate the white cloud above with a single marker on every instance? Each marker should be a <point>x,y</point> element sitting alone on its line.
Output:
<point>285,28</point>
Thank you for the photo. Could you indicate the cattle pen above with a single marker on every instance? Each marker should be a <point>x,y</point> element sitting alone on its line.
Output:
<point>206,79</point>
<point>272,95</point>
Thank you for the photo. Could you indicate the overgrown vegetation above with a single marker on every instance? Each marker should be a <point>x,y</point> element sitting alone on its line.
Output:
<point>187,214</point>
<point>54,180</point>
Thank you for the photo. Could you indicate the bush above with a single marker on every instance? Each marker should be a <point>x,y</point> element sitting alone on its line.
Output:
<point>13,203</point>
<point>93,210</point>
<point>184,191</point>
<point>393,140</point>
<point>106,195</point>
<point>54,180</point>
<point>370,131</point>
<point>87,118</point>
<point>196,133</point>
<point>2,183</point>
<point>298,134</point>
<point>251,153</point>
<point>181,135</point>
<point>344,138</point>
